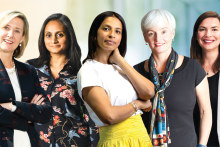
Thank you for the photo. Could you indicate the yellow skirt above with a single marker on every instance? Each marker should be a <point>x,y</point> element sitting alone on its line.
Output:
<point>129,133</point>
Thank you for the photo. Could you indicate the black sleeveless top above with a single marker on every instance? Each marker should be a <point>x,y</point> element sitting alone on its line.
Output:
<point>213,90</point>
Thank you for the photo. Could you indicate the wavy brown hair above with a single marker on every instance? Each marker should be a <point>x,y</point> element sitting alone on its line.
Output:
<point>195,49</point>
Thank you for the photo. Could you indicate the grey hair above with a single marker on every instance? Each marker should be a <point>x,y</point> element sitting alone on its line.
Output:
<point>155,17</point>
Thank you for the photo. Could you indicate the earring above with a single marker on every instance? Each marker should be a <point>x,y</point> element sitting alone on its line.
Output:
<point>146,43</point>
<point>20,44</point>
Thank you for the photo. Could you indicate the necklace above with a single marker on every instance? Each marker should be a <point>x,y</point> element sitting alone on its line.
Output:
<point>207,69</point>
<point>207,72</point>
<point>10,71</point>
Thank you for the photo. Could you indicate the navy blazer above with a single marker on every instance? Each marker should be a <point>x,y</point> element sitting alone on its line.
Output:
<point>26,111</point>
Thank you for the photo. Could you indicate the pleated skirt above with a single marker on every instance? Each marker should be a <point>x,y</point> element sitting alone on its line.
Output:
<point>129,133</point>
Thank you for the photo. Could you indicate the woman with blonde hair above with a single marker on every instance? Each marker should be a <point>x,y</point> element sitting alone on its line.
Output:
<point>20,87</point>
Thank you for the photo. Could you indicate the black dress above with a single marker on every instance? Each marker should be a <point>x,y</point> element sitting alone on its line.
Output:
<point>180,99</point>
<point>213,90</point>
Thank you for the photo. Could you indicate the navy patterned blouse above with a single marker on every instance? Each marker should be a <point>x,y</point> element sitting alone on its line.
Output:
<point>70,124</point>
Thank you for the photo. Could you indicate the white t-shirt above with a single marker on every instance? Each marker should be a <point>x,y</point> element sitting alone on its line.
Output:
<point>21,138</point>
<point>117,86</point>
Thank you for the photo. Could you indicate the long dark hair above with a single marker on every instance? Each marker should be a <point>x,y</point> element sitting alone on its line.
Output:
<point>93,33</point>
<point>195,49</point>
<point>73,51</point>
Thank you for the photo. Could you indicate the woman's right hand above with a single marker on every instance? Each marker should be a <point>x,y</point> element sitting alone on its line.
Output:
<point>115,57</point>
<point>144,105</point>
<point>37,99</point>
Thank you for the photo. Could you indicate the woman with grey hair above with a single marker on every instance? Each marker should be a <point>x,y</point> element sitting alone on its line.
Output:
<point>179,82</point>
<point>22,100</point>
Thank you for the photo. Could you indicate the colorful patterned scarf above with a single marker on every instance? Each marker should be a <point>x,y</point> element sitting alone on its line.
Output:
<point>159,129</point>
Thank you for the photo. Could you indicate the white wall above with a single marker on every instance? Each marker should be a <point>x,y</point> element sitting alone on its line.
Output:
<point>82,13</point>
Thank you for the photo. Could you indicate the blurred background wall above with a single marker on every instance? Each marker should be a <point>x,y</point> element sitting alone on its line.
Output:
<point>82,13</point>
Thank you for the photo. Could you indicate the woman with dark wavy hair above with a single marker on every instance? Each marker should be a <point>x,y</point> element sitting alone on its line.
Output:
<point>57,66</point>
<point>205,47</point>
<point>114,93</point>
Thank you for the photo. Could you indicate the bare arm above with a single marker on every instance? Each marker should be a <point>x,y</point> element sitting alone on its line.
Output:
<point>98,100</point>
<point>203,98</point>
<point>143,86</point>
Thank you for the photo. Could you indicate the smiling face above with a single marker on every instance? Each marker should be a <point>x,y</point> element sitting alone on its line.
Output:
<point>209,34</point>
<point>159,37</point>
<point>11,35</point>
<point>109,34</point>
<point>55,38</point>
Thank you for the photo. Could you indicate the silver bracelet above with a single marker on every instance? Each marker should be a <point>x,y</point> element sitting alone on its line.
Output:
<point>134,105</point>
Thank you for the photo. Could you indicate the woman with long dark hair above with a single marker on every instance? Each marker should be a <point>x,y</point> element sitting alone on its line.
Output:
<point>205,48</point>
<point>57,67</point>
<point>111,87</point>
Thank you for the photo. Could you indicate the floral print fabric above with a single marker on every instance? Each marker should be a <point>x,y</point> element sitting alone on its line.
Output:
<point>70,125</point>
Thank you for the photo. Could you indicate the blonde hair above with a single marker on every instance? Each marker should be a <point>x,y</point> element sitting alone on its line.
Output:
<point>156,17</point>
<point>7,16</point>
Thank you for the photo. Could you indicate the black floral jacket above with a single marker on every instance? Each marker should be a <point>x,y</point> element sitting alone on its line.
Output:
<point>29,84</point>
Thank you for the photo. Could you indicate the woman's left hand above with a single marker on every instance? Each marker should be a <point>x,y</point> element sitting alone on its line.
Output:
<point>115,57</point>
<point>37,99</point>
<point>7,106</point>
